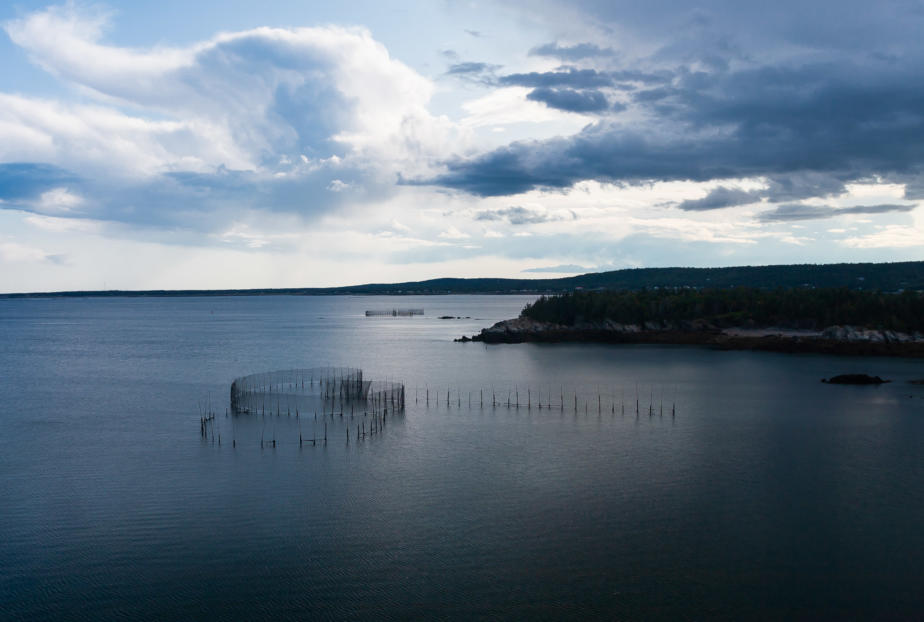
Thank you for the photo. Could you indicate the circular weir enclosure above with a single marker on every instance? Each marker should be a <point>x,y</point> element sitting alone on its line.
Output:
<point>317,388</point>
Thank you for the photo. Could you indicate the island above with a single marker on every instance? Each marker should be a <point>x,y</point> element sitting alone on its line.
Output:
<point>823,320</point>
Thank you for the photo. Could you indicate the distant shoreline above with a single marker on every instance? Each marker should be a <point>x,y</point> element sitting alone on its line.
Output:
<point>770,340</point>
<point>211,293</point>
<point>887,277</point>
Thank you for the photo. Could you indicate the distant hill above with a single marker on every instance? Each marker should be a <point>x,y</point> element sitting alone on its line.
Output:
<point>887,277</point>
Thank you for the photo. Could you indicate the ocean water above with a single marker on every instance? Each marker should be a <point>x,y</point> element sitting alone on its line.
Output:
<point>765,495</point>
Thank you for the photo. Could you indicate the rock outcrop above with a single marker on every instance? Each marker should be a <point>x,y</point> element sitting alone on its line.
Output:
<point>832,340</point>
<point>854,335</point>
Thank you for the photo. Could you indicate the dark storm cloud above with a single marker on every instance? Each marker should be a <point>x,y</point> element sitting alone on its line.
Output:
<point>791,187</point>
<point>914,188</point>
<point>572,52</point>
<point>798,211</point>
<point>809,96</point>
<point>803,185</point>
<point>572,78</point>
<point>653,95</point>
<point>846,123</point>
<point>718,198</point>
<point>570,100</point>
<point>840,25</point>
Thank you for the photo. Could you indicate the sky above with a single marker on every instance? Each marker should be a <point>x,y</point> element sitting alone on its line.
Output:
<point>238,144</point>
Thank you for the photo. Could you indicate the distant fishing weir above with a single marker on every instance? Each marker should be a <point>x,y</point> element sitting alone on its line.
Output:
<point>394,312</point>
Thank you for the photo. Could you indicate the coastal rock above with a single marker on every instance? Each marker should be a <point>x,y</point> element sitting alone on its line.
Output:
<point>518,326</point>
<point>855,379</point>
<point>852,334</point>
<point>838,340</point>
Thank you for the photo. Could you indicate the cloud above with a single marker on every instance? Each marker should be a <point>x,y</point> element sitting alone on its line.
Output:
<point>574,52</point>
<point>59,200</point>
<point>772,122</point>
<point>570,100</point>
<point>727,27</point>
<point>14,252</point>
<point>268,118</point>
<point>914,188</point>
<point>461,68</point>
<point>727,91</point>
<point>478,73</point>
<point>253,135</point>
<point>573,78</point>
<point>57,224</point>
<point>780,188</point>
<point>798,211</point>
<point>453,233</point>
<point>28,180</point>
<point>519,215</point>
<point>891,236</point>
<point>718,198</point>
<point>803,185</point>
<point>338,185</point>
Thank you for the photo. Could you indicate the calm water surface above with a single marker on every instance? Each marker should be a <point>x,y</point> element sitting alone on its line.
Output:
<point>768,495</point>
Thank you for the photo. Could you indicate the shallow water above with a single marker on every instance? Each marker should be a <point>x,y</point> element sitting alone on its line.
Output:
<point>769,494</point>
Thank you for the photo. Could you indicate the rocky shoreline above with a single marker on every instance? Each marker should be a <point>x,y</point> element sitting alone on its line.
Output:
<point>843,340</point>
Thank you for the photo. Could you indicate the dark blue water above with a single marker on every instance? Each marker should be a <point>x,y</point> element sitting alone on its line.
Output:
<point>768,495</point>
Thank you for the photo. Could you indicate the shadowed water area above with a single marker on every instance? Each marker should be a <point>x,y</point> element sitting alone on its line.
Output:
<point>768,495</point>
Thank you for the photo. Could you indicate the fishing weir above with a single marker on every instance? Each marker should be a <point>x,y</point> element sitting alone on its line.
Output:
<point>394,312</point>
<point>313,400</point>
<point>317,404</point>
<point>324,389</point>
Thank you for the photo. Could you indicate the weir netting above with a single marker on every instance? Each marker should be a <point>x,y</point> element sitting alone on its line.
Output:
<point>316,388</point>
<point>394,312</point>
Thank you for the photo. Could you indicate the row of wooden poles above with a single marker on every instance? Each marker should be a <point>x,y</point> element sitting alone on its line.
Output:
<point>513,401</point>
<point>377,420</point>
<point>379,406</point>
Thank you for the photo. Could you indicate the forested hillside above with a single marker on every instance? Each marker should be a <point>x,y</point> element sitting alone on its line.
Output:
<point>739,306</point>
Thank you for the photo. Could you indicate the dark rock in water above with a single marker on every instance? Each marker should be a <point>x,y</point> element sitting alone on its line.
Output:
<point>921,381</point>
<point>855,379</point>
<point>462,339</point>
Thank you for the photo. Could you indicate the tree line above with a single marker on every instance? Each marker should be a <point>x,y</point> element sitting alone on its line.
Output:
<point>739,306</point>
